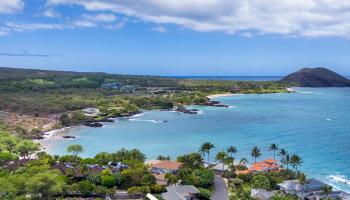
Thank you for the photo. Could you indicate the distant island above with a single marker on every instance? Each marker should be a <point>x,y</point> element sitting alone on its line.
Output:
<point>316,77</point>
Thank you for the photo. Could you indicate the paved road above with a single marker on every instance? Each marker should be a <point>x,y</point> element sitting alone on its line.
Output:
<point>220,189</point>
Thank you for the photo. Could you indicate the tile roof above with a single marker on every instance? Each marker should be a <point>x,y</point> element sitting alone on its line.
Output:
<point>167,164</point>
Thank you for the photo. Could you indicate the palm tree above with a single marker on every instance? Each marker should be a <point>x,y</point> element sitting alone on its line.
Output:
<point>302,180</point>
<point>283,154</point>
<point>243,161</point>
<point>286,160</point>
<point>75,149</point>
<point>229,161</point>
<point>231,150</point>
<point>274,148</point>
<point>327,190</point>
<point>255,153</point>
<point>207,147</point>
<point>296,161</point>
<point>171,178</point>
<point>221,156</point>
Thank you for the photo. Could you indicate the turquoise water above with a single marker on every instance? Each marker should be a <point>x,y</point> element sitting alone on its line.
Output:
<point>313,123</point>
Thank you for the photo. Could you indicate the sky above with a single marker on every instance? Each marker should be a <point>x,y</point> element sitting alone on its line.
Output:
<point>176,37</point>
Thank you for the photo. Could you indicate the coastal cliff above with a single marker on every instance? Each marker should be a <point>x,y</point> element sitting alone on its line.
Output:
<point>316,77</point>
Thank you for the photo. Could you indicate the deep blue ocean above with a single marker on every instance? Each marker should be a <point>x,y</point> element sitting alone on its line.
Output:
<point>313,123</point>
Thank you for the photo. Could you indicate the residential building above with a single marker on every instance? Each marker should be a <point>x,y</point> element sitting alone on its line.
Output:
<point>166,166</point>
<point>180,192</point>
<point>268,165</point>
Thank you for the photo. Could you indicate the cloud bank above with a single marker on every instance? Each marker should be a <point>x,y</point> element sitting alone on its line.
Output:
<point>305,18</point>
<point>10,6</point>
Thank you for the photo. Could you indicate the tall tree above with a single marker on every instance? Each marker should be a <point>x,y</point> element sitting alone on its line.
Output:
<point>221,156</point>
<point>255,153</point>
<point>283,154</point>
<point>75,149</point>
<point>274,148</point>
<point>286,160</point>
<point>231,150</point>
<point>207,147</point>
<point>295,161</point>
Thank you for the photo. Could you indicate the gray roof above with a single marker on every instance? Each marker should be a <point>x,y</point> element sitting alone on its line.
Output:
<point>262,194</point>
<point>294,185</point>
<point>179,192</point>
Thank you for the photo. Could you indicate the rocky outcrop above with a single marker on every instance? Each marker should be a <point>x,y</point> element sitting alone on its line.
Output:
<point>316,77</point>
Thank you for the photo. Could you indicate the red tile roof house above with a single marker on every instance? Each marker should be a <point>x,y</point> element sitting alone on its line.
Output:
<point>268,165</point>
<point>161,167</point>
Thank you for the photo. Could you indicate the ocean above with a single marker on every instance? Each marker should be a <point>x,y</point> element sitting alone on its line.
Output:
<point>313,123</point>
<point>235,78</point>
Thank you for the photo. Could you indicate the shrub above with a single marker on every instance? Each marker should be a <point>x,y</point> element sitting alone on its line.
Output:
<point>261,182</point>
<point>245,177</point>
<point>157,189</point>
<point>139,190</point>
<point>204,194</point>
<point>86,187</point>
<point>108,181</point>
<point>148,179</point>
<point>95,179</point>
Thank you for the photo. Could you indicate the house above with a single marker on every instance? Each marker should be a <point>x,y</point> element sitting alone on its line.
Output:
<point>295,188</point>
<point>312,190</point>
<point>268,165</point>
<point>166,166</point>
<point>218,168</point>
<point>262,194</point>
<point>161,167</point>
<point>180,192</point>
<point>334,195</point>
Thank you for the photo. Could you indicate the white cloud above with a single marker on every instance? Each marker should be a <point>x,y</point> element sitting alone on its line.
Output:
<point>51,13</point>
<point>159,29</point>
<point>20,27</point>
<point>10,6</point>
<point>89,21</point>
<point>309,18</point>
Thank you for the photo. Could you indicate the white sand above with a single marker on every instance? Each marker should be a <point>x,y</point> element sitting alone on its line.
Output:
<point>220,95</point>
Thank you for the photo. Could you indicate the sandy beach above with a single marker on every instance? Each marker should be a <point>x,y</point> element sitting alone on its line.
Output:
<point>220,95</point>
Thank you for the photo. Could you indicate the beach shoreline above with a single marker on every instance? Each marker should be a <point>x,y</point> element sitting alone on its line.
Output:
<point>220,95</point>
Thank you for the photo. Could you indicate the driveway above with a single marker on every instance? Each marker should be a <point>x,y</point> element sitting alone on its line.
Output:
<point>220,189</point>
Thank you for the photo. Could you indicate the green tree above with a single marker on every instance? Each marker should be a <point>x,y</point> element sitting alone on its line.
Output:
<point>191,160</point>
<point>327,190</point>
<point>44,185</point>
<point>231,150</point>
<point>75,149</point>
<point>108,181</point>
<point>261,182</point>
<point>171,178</point>
<point>221,156</point>
<point>207,147</point>
<point>286,160</point>
<point>255,153</point>
<point>283,154</point>
<point>86,187</point>
<point>274,148</point>
<point>27,148</point>
<point>295,161</point>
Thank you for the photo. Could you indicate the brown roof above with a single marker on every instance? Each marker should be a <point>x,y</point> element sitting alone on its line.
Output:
<point>167,164</point>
